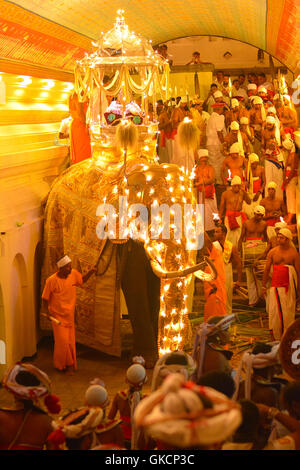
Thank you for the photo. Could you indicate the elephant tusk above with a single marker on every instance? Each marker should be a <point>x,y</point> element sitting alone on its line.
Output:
<point>185,272</point>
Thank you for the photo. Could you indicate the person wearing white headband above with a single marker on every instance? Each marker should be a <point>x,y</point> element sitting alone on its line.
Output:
<point>236,137</point>
<point>290,178</point>
<point>275,207</point>
<point>234,163</point>
<point>125,401</point>
<point>183,148</point>
<point>285,286</point>
<point>257,116</point>
<point>58,304</point>
<point>231,208</point>
<point>247,130</point>
<point>287,115</point>
<point>257,386</point>
<point>252,243</point>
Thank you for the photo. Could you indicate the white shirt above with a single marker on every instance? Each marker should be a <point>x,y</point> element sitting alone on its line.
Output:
<point>215,124</point>
<point>240,92</point>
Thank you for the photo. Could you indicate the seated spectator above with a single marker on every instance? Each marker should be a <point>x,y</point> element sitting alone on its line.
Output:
<point>246,434</point>
<point>220,381</point>
<point>180,415</point>
<point>28,426</point>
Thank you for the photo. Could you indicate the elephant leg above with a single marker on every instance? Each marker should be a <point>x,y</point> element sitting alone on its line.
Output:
<point>142,292</point>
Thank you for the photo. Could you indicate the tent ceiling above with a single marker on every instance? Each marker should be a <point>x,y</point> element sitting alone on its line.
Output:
<point>272,25</point>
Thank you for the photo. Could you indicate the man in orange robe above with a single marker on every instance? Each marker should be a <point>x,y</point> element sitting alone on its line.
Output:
<point>59,299</point>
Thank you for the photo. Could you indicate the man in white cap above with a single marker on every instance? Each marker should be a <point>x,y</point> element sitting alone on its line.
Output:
<point>257,116</point>
<point>231,208</point>
<point>274,165</point>
<point>234,165</point>
<point>215,132</point>
<point>287,115</point>
<point>274,206</point>
<point>252,242</point>
<point>236,135</point>
<point>205,182</point>
<point>58,302</point>
<point>285,285</point>
<point>290,179</point>
<point>247,130</point>
<point>256,181</point>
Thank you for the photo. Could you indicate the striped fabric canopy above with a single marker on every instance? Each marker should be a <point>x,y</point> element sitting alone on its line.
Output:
<point>60,30</point>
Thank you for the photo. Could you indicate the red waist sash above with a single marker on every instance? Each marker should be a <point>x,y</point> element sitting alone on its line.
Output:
<point>126,426</point>
<point>256,186</point>
<point>280,276</point>
<point>232,216</point>
<point>166,135</point>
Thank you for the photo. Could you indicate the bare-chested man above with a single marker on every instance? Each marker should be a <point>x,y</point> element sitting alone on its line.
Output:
<point>235,135</point>
<point>256,181</point>
<point>287,116</point>
<point>253,240</point>
<point>256,119</point>
<point>290,179</point>
<point>231,208</point>
<point>285,285</point>
<point>235,163</point>
<point>275,208</point>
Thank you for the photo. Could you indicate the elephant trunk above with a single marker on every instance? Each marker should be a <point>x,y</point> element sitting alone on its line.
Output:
<point>185,272</point>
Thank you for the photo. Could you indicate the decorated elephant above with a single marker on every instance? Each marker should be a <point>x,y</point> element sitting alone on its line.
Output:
<point>98,210</point>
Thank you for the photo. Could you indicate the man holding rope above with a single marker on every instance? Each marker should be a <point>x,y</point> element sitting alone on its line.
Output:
<point>58,303</point>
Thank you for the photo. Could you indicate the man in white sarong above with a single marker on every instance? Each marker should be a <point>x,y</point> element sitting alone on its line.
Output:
<point>290,179</point>
<point>285,285</point>
<point>215,131</point>
<point>231,208</point>
<point>204,181</point>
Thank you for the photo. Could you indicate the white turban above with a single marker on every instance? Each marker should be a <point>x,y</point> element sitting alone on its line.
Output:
<point>202,153</point>
<point>253,158</point>
<point>236,180</point>
<point>234,126</point>
<point>252,86</point>
<point>260,210</point>
<point>244,120</point>
<point>276,97</point>
<point>235,148</point>
<point>286,233</point>
<point>271,109</point>
<point>234,103</point>
<point>63,261</point>
<point>257,100</point>
<point>262,89</point>
<point>217,94</point>
<point>271,119</point>
<point>272,185</point>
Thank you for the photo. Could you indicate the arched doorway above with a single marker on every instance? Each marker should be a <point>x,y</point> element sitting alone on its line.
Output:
<point>2,336</point>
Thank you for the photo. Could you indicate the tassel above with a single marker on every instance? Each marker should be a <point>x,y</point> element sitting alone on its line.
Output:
<point>57,438</point>
<point>52,404</point>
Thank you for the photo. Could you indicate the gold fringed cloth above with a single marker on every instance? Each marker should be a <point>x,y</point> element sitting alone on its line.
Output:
<point>70,228</point>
